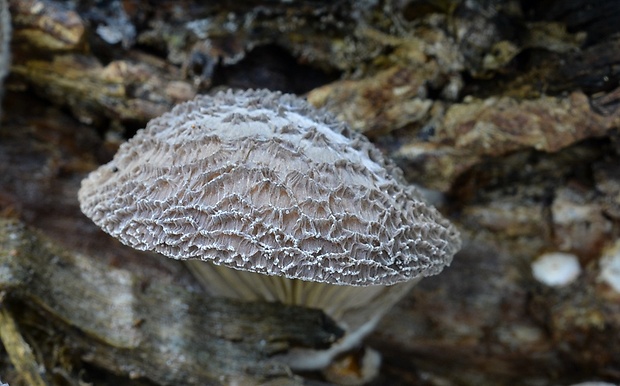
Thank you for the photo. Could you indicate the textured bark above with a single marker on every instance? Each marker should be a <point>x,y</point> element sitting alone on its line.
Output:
<point>137,326</point>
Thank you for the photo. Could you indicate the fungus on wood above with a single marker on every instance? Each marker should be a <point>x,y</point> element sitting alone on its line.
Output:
<point>271,199</point>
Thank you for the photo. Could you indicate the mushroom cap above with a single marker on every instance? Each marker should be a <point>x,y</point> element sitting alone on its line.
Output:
<point>262,181</point>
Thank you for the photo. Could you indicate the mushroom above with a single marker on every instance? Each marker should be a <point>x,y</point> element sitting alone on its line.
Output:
<point>268,198</point>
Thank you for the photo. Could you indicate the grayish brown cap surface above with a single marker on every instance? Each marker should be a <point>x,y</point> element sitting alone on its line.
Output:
<point>263,182</point>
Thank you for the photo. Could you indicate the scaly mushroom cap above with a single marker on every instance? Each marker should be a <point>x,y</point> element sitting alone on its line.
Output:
<point>263,182</point>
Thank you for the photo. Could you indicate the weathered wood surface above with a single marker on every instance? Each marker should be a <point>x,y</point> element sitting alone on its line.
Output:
<point>508,111</point>
<point>139,327</point>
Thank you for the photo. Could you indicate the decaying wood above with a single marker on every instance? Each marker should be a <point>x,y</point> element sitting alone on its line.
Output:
<point>508,111</point>
<point>19,351</point>
<point>137,327</point>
